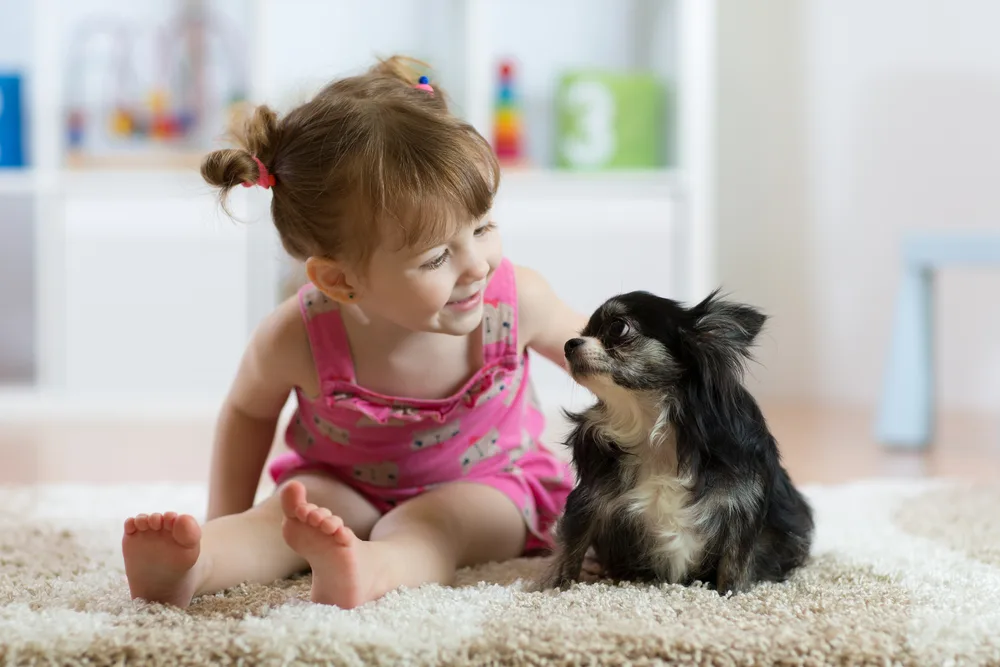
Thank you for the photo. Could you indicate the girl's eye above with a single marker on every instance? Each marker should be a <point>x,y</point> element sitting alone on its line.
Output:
<point>619,329</point>
<point>485,229</point>
<point>437,262</point>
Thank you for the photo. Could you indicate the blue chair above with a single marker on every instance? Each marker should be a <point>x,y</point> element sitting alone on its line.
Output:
<point>906,414</point>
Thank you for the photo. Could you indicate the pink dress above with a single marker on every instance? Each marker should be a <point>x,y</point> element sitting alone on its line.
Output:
<point>391,448</point>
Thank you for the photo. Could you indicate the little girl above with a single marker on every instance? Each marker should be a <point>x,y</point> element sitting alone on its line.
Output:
<point>415,444</point>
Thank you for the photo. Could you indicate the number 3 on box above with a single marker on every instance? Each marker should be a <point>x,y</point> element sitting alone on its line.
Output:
<point>593,143</point>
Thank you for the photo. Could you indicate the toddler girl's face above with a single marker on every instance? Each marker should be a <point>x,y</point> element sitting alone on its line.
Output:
<point>438,289</point>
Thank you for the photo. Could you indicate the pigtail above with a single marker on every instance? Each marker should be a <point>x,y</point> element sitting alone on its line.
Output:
<point>255,136</point>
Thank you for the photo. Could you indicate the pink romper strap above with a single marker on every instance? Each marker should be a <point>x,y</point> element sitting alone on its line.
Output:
<point>327,337</point>
<point>500,314</point>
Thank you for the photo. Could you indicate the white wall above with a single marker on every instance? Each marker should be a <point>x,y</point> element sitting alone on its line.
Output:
<point>763,224</point>
<point>845,123</point>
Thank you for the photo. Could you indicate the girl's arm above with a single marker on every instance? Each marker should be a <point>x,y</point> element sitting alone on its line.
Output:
<point>277,359</point>
<point>545,321</point>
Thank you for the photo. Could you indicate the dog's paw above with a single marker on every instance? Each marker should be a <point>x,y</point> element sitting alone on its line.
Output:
<point>555,578</point>
<point>550,582</point>
<point>592,571</point>
<point>732,588</point>
<point>561,583</point>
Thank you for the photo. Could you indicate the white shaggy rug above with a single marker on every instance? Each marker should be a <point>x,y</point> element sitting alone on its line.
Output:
<point>903,573</point>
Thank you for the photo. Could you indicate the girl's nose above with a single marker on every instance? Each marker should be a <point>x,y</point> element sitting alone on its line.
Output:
<point>478,268</point>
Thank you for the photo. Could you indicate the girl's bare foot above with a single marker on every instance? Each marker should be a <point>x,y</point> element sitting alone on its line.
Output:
<point>342,576</point>
<point>160,551</point>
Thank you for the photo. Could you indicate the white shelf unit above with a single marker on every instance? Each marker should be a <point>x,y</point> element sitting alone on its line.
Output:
<point>146,293</point>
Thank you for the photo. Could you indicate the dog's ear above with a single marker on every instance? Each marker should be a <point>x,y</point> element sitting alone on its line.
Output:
<point>726,323</point>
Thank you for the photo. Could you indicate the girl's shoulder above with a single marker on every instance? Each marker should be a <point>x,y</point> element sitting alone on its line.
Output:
<point>282,340</point>
<point>277,359</point>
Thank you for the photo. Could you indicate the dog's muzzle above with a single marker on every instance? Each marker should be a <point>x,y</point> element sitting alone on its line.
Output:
<point>572,345</point>
<point>585,356</point>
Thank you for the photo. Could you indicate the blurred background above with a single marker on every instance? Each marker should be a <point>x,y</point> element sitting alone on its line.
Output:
<point>787,150</point>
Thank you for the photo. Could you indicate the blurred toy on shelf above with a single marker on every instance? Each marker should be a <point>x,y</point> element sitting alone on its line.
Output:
<point>157,108</point>
<point>610,120</point>
<point>508,125</point>
<point>11,122</point>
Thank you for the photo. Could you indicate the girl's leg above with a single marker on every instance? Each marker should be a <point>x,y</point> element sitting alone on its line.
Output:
<point>424,540</point>
<point>170,558</point>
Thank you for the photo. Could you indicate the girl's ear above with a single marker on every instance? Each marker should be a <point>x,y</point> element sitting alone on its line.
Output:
<point>332,278</point>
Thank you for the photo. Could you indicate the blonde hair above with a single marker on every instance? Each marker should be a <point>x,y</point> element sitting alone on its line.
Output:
<point>366,153</point>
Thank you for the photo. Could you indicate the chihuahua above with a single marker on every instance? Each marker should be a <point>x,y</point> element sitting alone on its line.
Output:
<point>679,479</point>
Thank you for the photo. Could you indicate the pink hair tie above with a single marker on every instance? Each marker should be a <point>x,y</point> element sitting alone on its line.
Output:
<point>265,179</point>
<point>425,84</point>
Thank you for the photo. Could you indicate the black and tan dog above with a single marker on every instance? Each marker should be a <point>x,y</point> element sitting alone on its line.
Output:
<point>679,478</point>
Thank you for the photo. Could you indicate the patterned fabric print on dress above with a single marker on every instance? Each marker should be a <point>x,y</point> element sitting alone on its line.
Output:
<point>367,422</point>
<point>384,474</point>
<point>334,433</point>
<point>301,439</point>
<point>527,445</point>
<point>317,303</point>
<point>489,387</point>
<point>498,387</point>
<point>404,411</point>
<point>515,383</point>
<point>498,323</point>
<point>481,449</point>
<point>435,436</point>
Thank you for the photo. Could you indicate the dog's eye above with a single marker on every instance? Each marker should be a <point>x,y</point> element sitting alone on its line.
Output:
<point>619,329</point>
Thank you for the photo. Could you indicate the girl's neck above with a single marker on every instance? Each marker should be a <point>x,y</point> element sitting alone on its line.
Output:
<point>382,334</point>
<point>394,361</point>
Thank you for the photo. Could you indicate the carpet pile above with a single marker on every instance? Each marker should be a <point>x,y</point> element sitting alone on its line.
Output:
<point>903,573</point>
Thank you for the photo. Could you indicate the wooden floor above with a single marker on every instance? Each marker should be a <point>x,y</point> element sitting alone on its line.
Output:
<point>819,444</point>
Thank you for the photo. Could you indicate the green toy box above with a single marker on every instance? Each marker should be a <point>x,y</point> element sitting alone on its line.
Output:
<point>610,120</point>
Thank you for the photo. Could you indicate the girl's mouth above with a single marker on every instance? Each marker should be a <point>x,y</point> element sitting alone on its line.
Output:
<point>468,303</point>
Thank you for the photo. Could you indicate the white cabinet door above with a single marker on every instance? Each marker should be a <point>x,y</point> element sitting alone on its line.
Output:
<point>155,297</point>
<point>589,249</point>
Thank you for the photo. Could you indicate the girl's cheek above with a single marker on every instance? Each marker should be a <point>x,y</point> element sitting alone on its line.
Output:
<point>433,291</point>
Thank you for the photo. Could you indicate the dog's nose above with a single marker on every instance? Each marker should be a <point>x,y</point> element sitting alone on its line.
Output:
<point>572,344</point>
